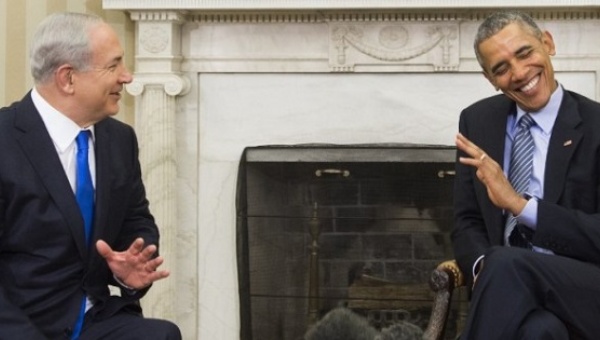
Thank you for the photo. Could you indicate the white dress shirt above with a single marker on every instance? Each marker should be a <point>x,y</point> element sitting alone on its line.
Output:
<point>63,132</point>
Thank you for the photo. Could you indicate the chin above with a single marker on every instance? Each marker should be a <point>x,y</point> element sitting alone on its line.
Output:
<point>112,111</point>
<point>531,105</point>
<point>538,105</point>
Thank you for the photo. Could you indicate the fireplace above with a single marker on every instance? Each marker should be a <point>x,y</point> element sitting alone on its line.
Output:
<point>326,226</point>
<point>214,77</point>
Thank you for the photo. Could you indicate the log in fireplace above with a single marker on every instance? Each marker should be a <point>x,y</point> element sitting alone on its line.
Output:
<point>322,226</point>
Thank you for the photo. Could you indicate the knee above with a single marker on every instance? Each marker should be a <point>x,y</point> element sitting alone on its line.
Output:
<point>173,332</point>
<point>505,259</point>
<point>168,330</point>
<point>542,325</point>
<point>506,264</point>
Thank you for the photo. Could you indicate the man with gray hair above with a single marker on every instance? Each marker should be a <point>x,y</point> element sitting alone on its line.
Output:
<point>74,217</point>
<point>527,193</point>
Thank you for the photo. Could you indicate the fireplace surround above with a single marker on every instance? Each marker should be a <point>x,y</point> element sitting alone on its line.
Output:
<point>213,77</point>
<point>323,226</point>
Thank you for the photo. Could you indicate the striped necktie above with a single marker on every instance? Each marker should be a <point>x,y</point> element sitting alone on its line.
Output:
<point>521,168</point>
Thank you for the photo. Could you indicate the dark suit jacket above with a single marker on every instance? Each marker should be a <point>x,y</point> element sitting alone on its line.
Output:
<point>568,214</point>
<point>45,267</point>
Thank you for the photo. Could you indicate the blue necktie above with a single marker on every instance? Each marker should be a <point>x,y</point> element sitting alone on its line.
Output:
<point>84,194</point>
<point>521,168</point>
<point>84,189</point>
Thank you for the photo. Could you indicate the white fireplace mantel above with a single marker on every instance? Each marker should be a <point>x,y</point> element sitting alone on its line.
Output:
<point>215,76</point>
<point>336,4</point>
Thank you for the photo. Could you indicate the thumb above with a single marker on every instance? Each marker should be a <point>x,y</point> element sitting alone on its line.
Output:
<point>103,248</point>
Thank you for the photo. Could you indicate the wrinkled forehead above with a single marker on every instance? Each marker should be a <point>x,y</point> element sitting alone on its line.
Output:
<point>507,41</point>
<point>516,29</point>
<point>104,43</point>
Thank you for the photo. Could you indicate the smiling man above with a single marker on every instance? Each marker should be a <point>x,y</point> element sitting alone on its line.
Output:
<point>74,217</point>
<point>527,193</point>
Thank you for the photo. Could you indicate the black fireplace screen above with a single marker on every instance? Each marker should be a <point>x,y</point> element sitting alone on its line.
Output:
<point>320,227</point>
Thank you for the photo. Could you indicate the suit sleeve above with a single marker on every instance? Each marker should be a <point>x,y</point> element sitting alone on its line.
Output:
<point>568,232</point>
<point>15,323</point>
<point>138,221</point>
<point>469,236</point>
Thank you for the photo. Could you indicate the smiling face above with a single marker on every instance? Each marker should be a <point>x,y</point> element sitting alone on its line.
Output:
<point>518,63</point>
<point>98,88</point>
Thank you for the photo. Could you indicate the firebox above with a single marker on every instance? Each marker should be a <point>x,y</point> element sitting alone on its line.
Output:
<point>324,226</point>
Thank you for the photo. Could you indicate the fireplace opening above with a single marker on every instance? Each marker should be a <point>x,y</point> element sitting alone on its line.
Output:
<point>320,226</point>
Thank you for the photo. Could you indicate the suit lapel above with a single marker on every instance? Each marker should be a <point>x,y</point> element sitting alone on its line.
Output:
<point>496,135</point>
<point>36,143</point>
<point>496,131</point>
<point>103,179</point>
<point>563,143</point>
<point>489,133</point>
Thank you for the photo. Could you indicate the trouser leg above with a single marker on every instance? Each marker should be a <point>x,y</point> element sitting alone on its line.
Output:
<point>125,326</point>
<point>514,283</point>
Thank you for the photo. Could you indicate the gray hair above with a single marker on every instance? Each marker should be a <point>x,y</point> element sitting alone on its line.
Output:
<point>61,38</point>
<point>498,21</point>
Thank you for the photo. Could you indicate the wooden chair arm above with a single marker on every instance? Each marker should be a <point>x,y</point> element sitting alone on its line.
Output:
<point>444,279</point>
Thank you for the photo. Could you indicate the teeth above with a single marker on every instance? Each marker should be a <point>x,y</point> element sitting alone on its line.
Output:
<point>531,84</point>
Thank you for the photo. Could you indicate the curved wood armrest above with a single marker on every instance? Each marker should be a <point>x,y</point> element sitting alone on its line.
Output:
<point>455,276</point>
<point>444,279</point>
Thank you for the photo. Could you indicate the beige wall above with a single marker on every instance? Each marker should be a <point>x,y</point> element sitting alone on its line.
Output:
<point>18,21</point>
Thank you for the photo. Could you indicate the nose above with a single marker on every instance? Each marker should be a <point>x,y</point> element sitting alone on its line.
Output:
<point>126,76</point>
<point>519,71</point>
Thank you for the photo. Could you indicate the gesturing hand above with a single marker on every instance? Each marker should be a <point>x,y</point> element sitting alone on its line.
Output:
<point>135,266</point>
<point>489,172</point>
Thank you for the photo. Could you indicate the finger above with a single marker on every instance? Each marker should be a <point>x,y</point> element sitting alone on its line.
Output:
<point>103,249</point>
<point>464,140</point>
<point>137,246</point>
<point>464,144</point>
<point>478,155</point>
<point>149,251</point>
<point>154,275</point>
<point>153,264</point>
<point>158,275</point>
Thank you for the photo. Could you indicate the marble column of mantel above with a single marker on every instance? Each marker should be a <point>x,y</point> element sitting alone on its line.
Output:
<point>157,84</point>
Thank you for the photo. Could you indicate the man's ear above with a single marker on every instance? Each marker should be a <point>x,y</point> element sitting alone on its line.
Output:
<point>63,77</point>
<point>548,43</point>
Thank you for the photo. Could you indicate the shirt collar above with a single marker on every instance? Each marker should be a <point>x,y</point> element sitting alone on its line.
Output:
<point>61,129</point>
<point>545,117</point>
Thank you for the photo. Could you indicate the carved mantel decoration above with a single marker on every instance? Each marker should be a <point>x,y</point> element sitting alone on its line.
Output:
<point>391,43</point>
<point>215,76</point>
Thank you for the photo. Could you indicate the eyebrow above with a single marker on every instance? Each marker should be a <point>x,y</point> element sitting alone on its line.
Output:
<point>497,66</point>
<point>118,58</point>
